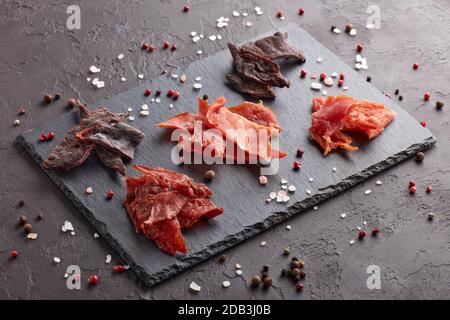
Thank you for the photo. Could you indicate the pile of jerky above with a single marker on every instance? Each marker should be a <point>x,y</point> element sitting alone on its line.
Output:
<point>256,72</point>
<point>99,130</point>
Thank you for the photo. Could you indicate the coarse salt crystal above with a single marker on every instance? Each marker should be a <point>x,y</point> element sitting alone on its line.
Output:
<point>319,59</point>
<point>131,118</point>
<point>263,243</point>
<point>56,260</point>
<point>284,181</point>
<point>236,14</point>
<point>197,86</point>
<point>244,14</point>
<point>226,284</point>
<point>174,76</point>
<point>212,37</point>
<point>32,236</point>
<point>72,233</point>
<point>288,227</point>
<point>123,79</point>
<point>198,78</point>
<point>248,24</point>
<point>353,32</point>
<point>328,82</point>
<point>195,287</point>
<point>370,26</point>
<point>238,266</point>
<point>368,191</point>
<point>379,182</point>
<point>334,169</point>
<point>284,187</point>
<point>311,179</point>
<point>16,122</point>
<point>199,52</point>
<point>292,188</point>
<point>144,107</point>
<point>324,92</point>
<point>219,37</point>
<point>239,272</point>
<point>315,207</point>
<point>94,69</point>
<point>343,215</point>
<point>316,86</point>
<point>158,100</point>
<point>140,76</point>
<point>352,242</point>
<point>100,84</point>
<point>96,235</point>
<point>337,30</point>
<point>273,195</point>
<point>66,275</point>
<point>130,109</point>
<point>145,112</point>
<point>334,75</point>
<point>89,190</point>
<point>308,191</point>
<point>171,106</point>
<point>195,39</point>
<point>193,33</point>
<point>120,56</point>
<point>268,200</point>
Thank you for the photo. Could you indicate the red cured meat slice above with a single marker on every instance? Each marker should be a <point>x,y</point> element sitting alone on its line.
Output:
<point>333,115</point>
<point>258,113</point>
<point>167,235</point>
<point>183,121</point>
<point>161,200</point>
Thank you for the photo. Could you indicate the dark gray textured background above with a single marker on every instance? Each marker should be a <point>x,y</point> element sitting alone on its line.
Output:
<point>40,55</point>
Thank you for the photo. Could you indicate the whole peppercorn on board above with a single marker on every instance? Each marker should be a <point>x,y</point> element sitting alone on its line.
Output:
<point>236,187</point>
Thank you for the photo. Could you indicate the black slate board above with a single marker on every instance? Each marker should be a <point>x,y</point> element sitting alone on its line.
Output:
<point>236,187</point>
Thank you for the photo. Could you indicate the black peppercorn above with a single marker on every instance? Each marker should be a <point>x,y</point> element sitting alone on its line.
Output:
<point>439,105</point>
<point>40,216</point>
<point>369,79</point>
<point>158,93</point>
<point>205,97</point>
<point>297,278</point>
<point>222,258</point>
<point>348,27</point>
<point>332,28</point>
<point>27,228</point>
<point>71,103</point>
<point>397,91</point>
<point>294,259</point>
<point>302,263</point>
<point>284,272</point>
<point>48,99</point>
<point>265,268</point>
<point>57,96</point>
<point>400,98</point>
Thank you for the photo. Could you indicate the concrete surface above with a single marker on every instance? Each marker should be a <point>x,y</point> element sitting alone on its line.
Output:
<point>38,55</point>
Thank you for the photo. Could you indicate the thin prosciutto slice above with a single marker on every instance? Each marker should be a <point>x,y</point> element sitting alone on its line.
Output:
<point>161,203</point>
<point>234,124</point>
<point>333,116</point>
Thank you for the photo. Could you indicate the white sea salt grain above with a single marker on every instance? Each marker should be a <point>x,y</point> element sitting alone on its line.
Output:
<point>130,109</point>
<point>284,181</point>
<point>131,118</point>
<point>328,81</point>
<point>343,215</point>
<point>66,275</point>
<point>72,233</point>
<point>337,30</point>
<point>94,69</point>
<point>226,284</point>
<point>316,86</point>
<point>145,112</point>
<point>201,36</point>
<point>174,76</point>
<point>212,37</point>
<point>96,235</point>
<point>292,188</point>
<point>273,195</point>
<point>140,76</point>
<point>144,107</point>
<point>324,92</point>
<point>319,59</point>
<point>88,79</point>
<point>334,169</point>
<point>379,183</point>
<point>197,86</point>
<point>158,100</point>
<point>238,266</point>
<point>199,52</point>
<point>56,260</point>
<point>315,207</point>
<point>236,14</point>
<point>95,81</point>
<point>67,226</point>
<point>368,191</point>
<point>16,122</point>
<point>311,179</point>
<point>353,32</point>
<point>268,200</point>
<point>195,39</point>
<point>195,287</point>
<point>198,78</point>
<point>239,272</point>
<point>308,191</point>
<point>100,84</point>
<point>370,26</point>
<point>32,236</point>
<point>120,56</point>
<point>263,243</point>
<point>219,37</point>
<point>284,187</point>
<point>123,79</point>
<point>244,14</point>
<point>352,242</point>
<point>248,24</point>
<point>193,33</point>
<point>334,75</point>
<point>170,106</point>
<point>288,227</point>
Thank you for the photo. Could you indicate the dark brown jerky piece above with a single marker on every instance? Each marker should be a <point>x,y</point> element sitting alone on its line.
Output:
<point>276,47</point>
<point>110,159</point>
<point>68,154</point>
<point>97,118</point>
<point>250,65</point>
<point>251,88</point>
<point>120,138</point>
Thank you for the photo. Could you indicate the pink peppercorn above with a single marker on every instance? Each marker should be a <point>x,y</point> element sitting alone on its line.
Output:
<point>93,280</point>
<point>144,46</point>
<point>429,188</point>
<point>173,48</point>
<point>415,66</point>
<point>147,92</point>
<point>340,83</point>
<point>175,95</point>
<point>13,254</point>
<point>50,135</point>
<point>301,11</point>
<point>412,190</point>
<point>299,286</point>
<point>423,123</point>
<point>166,44</point>
<point>296,165</point>
<point>361,234</point>
<point>42,137</point>
<point>151,48</point>
<point>109,194</point>
<point>342,76</point>
<point>412,183</point>
<point>118,268</point>
<point>300,153</point>
<point>359,47</point>
<point>426,96</point>
<point>375,231</point>
<point>279,14</point>
<point>323,76</point>
<point>303,73</point>
<point>170,92</point>
<point>186,8</point>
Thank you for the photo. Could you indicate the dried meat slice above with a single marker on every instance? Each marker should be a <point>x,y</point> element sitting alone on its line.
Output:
<point>334,115</point>
<point>260,69</point>
<point>196,208</point>
<point>110,159</point>
<point>68,154</point>
<point>257,113</point>
<point>182,121</point>
<point>252,88</point>
<point>167,235</point>
<point>276,47</point>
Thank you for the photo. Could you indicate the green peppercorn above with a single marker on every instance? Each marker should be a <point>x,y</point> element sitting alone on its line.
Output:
<point>209,175</point>
<point>256,281</point>
<point>286,251</point>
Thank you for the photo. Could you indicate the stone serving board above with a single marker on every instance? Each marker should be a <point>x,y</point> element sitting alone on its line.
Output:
<point>235,187</point>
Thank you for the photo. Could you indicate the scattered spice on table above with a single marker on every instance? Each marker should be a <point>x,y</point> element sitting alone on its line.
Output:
<point>430,216</point>
<point>27,228</point>
<point>93,280</point>
<point>439,105</point>
<point>13,254</point>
